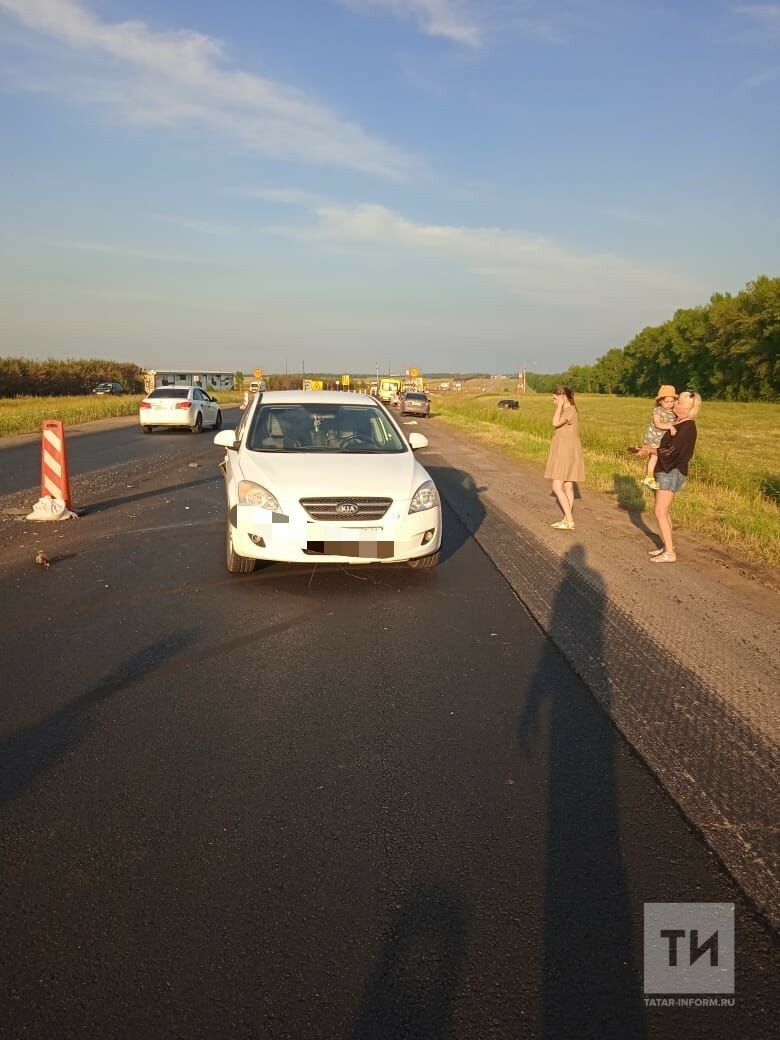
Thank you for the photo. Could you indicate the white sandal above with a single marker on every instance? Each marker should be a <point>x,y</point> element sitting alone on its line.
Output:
<point>664,557</point>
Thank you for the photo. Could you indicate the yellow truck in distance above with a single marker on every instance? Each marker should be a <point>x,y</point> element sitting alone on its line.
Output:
<point>389,387</point>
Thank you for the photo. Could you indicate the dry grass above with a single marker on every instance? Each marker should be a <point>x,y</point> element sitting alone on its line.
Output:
<point>732,494</point>
<point>25,414</point>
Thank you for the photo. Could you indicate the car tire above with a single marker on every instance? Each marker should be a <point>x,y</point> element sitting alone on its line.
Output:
<point>146,429</point>
<point>236,564</point>
<point>218,421</point>
<point>426,563</point>
<point>198,427</point>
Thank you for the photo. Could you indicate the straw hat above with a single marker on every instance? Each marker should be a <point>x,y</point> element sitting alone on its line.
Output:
<point>667,390</point>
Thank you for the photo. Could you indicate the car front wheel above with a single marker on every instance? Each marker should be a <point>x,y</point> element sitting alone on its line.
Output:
<point>236,564</point>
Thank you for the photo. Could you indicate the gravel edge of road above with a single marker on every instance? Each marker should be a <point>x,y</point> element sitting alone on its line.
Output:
<point>726,789</point>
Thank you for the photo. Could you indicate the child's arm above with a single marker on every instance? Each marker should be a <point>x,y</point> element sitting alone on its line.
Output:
<point>660,424</point>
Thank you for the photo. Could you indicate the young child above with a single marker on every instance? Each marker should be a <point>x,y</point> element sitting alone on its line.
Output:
<point>663,419</point>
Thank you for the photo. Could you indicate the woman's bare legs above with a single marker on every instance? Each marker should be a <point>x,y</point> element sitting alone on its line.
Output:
<point>568,490</point>
<point>564,501</point>
<point>663,504</point>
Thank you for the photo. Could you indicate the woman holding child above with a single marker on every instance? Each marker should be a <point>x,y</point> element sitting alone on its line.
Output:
<point>675,451</point>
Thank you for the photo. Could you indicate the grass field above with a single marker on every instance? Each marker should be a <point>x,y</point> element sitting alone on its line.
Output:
<point>732,496</point>
<point>25,414</point>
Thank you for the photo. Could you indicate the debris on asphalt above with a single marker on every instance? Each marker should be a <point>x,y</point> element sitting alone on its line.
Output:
<point>42,559</point>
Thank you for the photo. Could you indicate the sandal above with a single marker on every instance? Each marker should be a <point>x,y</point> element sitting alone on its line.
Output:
<point>664,557</point>
<point>656,552</point>
<point>563,525</point>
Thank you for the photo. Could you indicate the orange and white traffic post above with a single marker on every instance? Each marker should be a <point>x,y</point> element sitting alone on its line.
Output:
<point>54,462</point>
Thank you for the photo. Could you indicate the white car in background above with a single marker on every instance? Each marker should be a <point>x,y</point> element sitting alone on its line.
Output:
<point>182,406</point>
<point>326,477</point>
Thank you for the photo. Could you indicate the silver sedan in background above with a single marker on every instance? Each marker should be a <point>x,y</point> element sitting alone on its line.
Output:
<point>416,403</point>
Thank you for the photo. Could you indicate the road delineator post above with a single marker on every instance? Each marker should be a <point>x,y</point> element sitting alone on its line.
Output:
<point>55,482</point>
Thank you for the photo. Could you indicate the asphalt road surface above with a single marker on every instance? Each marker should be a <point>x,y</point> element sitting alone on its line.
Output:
<point>117,442</point>
<point>362,803</point>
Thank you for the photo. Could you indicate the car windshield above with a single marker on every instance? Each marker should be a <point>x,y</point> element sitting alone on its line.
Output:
<point>170,391</point>
<point>323,428</point>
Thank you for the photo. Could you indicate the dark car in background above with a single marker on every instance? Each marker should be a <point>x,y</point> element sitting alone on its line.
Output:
<point>508,403</point>
<point>415,402</point>
<point>109,388</point>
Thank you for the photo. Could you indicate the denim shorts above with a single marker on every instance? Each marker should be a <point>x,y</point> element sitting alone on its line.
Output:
<point>671,481</point>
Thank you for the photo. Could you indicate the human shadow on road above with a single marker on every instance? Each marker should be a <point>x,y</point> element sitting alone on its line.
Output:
<point>631,498</point>
<point>412,986</point>
<point>591,986</point>
<point>30,752</point>
<point>463,495</point>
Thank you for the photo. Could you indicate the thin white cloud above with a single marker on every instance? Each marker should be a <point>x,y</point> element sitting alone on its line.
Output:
<point>181,77</point>
<point>447,19</point>
<point>286,196</point>
<point>529,265</point>
<point>129,252</point>
<point>201,227</point>
<point>767,15</point>
<point>760,79</point>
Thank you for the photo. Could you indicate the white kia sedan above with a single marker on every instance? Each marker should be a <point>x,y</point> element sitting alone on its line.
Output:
<point>179,406</point>
<point>326,477</point>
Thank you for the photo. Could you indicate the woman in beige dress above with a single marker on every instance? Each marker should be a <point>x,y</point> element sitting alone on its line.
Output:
<point>565,463</point>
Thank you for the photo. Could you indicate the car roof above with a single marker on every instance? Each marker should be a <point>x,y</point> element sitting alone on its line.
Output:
<point>316,397</point>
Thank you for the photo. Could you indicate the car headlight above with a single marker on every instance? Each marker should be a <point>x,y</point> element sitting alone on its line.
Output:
<point>251,494</point>
<point>425,497</point>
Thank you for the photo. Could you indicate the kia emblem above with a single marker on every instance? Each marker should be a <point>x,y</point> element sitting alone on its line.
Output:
<point>347,508</point>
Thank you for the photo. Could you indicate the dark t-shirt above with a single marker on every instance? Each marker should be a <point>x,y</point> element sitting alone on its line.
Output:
<point>677,452</point>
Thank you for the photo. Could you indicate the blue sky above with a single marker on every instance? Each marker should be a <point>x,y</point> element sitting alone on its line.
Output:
<point>451,184</point>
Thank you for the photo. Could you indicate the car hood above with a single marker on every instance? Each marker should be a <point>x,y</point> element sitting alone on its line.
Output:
<point>291,475</point>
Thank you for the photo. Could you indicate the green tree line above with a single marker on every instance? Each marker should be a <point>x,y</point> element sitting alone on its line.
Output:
<point>728,349</point>
<point>21,376</point>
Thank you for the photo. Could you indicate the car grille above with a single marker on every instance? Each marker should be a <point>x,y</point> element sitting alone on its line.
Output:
<point>328,508</point>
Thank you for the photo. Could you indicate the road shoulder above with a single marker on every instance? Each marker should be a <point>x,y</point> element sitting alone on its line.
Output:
<point>684,659</point>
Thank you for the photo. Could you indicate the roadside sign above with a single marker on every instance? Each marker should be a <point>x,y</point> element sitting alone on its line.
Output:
<point>345,380</point>
<point>258,373</point>
<point>312,384</point>
<point>414,373</point>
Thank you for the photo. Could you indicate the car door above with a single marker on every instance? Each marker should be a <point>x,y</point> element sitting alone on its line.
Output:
<point>232,469</point>
<point>208,410</point>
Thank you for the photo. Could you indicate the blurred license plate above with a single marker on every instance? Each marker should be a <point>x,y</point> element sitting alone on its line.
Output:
<point>365,548</point>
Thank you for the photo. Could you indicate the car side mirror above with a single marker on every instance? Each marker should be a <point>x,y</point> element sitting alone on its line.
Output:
<point>226,439</point>
<point>417,440</point>
<point>214,400</point>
